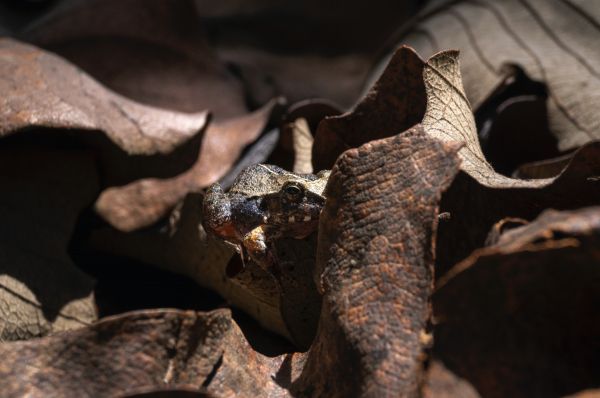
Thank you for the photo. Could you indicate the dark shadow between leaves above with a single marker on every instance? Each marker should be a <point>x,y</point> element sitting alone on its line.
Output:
<point>512,124</point>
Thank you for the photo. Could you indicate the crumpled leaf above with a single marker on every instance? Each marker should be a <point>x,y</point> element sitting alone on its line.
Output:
<point>479,197</point>
<point>41,290</point>
<point>188,251</point>
<point>553,42</point>
<point>442,383</point>
<point>375,249</point>
<point>520,318</point>
<point>543,168</point>
<point>313,111</point>
<point>302,49</point>
<point>394,104</point>
<point>140,349</point>
<point>143,202</point>
<point>152,51</point>
<point>64,137</point>
<point>149,350</point>
<point>45,91</point>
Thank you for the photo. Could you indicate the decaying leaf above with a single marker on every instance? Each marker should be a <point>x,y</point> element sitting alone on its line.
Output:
<point>436,273</point>
<point>56,156</point>
<point>132,351</point>
<point>46,91</point>
<point>394,104</point>
<point>378,267</point>
<point>442,383</point>
<point>43,191</point>
<point>188,251</point>
<point>480,196</point>
<point>520,318</point>
<point>554,42</point>
<point>153,51</point>
<point>143,202</point>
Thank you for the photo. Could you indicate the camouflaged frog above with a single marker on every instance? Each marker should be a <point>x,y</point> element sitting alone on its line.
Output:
<point>264,203</point>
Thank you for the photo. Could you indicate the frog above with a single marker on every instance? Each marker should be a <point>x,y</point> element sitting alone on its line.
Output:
<point>263,204</point>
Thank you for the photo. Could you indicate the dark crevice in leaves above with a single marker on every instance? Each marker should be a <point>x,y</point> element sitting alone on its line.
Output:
<point>512,123</point>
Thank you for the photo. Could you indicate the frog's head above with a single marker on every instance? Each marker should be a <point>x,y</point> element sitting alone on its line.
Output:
<point>284,204</point>
<point>295,207</point>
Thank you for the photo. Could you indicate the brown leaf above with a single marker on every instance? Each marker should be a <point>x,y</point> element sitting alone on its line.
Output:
<point>313,111</point>
<point>153,51</point>
<point>117,354</point>
<point>554,42</point>
<point>45,91</point>
<point>394,104</point>
<point>43,192</point>
<point>480,196</point>
<point>143,202</point>
<point>543,168</point>
<point>442,383</point>
<point>190,252</point>
<point>520,318</point>
<point>375,247</point>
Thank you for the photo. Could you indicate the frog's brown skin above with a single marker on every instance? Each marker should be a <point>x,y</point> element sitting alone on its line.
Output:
<point>264,203</point>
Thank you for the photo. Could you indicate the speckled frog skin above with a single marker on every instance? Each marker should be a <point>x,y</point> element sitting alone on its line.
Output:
<point>264,203</point>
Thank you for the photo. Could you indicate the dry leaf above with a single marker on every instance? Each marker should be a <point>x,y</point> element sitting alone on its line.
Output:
<point>480,196</point>
<point>46,91</point>
<point>188,251</point>
<point>377,267</point>
<point>520,318</point>
<point>554,42</point>
<point>303,143</point>
<point>394,104</point>
<point>143,202</point>
<point>152,51</point>
<point>127,352</point>
<point>41,290</point>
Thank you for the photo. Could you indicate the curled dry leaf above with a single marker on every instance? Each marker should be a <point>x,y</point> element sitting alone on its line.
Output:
<point>544,168</point>
<point>190,252</point>
<point>55,121</point>
<point>313,111</point>
<point>145,349</point>
<point>394,104</point>
<point>153,51</point>
<point>480,196</point>
<point>520,318</point>
<point>376,238</point>
<point>303,143</point>
<point>143,202</point>
<point>554,42</point>
<point>45,91</point>
<point>43,192</point>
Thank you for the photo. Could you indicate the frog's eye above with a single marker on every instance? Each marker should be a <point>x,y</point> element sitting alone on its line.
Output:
<point>292,190</point>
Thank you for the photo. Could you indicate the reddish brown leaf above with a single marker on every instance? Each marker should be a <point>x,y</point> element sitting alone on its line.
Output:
<point>544,168</point>
<point>442,383</point>
<point>142,349</point>
<point>375,247</point>
<point>395,103</point>
<point>46,91</point>
<point>520,318</point>
<point>145,350</point>
<point>43,192</point>
<point>480,196</point>
<point>153,51</point>
<point>188,251</point>
<point>143,202</point>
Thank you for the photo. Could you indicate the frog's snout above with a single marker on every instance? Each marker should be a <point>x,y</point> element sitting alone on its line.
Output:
<point>216,212</point>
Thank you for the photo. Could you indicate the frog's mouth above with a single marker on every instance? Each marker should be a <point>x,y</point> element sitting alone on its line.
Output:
<point>297,224</point>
